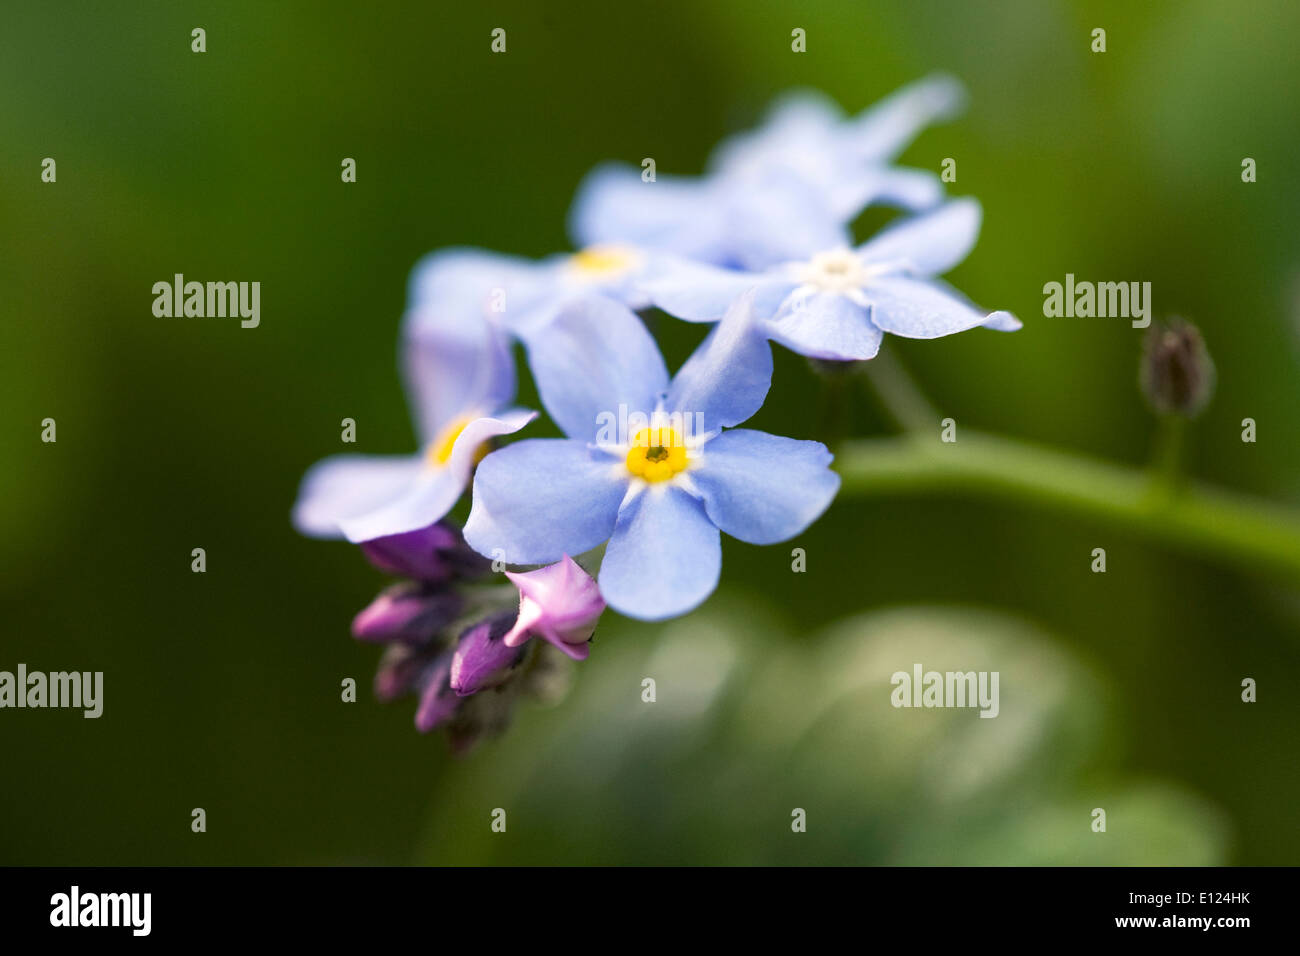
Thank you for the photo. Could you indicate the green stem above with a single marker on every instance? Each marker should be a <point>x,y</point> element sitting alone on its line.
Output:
<point>899,395</point>
<point>1198,518</point>
<point>1167,461</point>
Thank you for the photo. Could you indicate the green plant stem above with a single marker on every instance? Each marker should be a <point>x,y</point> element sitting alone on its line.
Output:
<point>1196,518</point>
<point>899,395</point>
<point>1171,433</point>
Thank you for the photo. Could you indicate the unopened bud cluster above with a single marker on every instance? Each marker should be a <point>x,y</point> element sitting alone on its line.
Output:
<point>460,641</point>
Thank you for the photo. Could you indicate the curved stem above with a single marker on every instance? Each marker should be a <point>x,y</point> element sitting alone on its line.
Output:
<point>1197,518</point>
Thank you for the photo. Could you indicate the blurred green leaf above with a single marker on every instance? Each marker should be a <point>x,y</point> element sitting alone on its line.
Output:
<point>748,726</point>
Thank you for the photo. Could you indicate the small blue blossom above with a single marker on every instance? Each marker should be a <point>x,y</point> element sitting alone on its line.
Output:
<point>839,303</point>
<point>647,465</point>
<point>461,379</point>
<point>783,191</point>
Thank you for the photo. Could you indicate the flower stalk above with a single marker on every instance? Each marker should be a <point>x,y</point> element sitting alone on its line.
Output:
<point>1199,518</point>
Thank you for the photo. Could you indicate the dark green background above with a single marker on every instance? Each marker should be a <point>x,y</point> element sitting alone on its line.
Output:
<point>222,688</point>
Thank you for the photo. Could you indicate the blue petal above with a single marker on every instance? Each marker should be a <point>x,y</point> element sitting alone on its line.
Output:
<point>673,214</point>
<point>826,326</point>
<point>594,356</point>
<point>882,132</point>
<point>997,321</point>
<point>728,376</point>
<point>454,284</point>
<point>461,280</point>
<point>780,217</point>
<point>664,558</point>
<point>805,136</point>
<point>929,244</point>
<point>1003,322</point>
<point>698,292</point>
<point>762,488</point>
<point>897,186</point>
<point>454,368</point>
<point>436,488</point>
<point>343,486</point>
<point>797,126</point>
<point>430,496</point>
<point>917,309</point>
<point>539,499</point>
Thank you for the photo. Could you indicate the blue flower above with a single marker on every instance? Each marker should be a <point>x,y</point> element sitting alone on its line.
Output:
<point>461,379</point>
<point>783,191</point>
<point>647,465</point>
<point>839,303</point>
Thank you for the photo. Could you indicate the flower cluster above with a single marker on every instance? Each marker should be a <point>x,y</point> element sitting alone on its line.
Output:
<point>652,467</point>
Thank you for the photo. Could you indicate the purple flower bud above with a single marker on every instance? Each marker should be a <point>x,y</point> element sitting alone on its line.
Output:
<point>407,612</point>
<point>433,554</point>
<point>482,658</point>
<point>399,670</point>
<point>438,704</point>
<point>559,603</point>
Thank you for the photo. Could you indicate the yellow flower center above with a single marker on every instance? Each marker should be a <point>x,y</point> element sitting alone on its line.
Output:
<point>657,454</point>
<point>440,448</point>
<point>603,260</point>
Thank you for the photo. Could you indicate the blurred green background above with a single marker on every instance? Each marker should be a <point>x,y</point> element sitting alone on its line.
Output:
<point>222,689</point>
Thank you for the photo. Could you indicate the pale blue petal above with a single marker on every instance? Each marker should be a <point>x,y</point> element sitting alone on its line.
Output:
<point>997,321</point>
<point>437,487</point>
<point>454,369</point>
<point>427,499</point>
<point>762,488</point>
<point>673,214</point>
<point>797,129</point>
<point>898,186</point>
<point>1003,322</point>
<point>826,325</point>
<point>457,284</point>
<point>806,138</point>
<point>917,309</point>
<point>539,499</point>
<point>594,356</point>
<point>528,304</point>
<point>780,217</point>
<point>343,486</point>
<point>664,557</point>
<point>698,292</point>
<point>928,244</point>
<point>726,379</point>
<point>881,132</point>
<point>461,280</point>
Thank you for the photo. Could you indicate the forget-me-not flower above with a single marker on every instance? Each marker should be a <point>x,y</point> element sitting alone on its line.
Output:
<point>839,303</point>
<point>782,191</point>
<point>460,378</point>
<point>648,464</point>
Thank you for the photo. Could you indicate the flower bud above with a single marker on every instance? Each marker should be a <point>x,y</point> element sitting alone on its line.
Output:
<point>1177,374</point>
<point>559,603</point>
<point>399,670</point>
<point>408,612</point>
<point>438,704</point>
<point>433,554</point>
<point>482,659</point>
